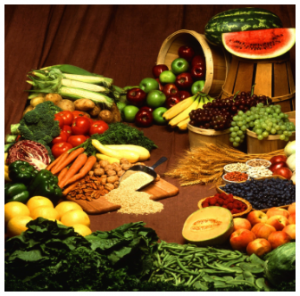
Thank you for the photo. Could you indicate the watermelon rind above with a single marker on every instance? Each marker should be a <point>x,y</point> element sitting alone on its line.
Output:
<point>239,19</point>
<point>255,54</point>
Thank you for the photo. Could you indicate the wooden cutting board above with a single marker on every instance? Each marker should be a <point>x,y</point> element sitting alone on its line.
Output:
<point>157,190</point>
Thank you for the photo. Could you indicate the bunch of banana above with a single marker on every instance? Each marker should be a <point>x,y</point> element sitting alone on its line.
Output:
<point>6,169</point>
<point>178,115</point>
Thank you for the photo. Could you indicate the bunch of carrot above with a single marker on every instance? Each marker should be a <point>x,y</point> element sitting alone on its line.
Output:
<point>71,166</point>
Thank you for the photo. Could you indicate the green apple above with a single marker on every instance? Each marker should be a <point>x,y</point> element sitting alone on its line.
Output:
<point>197,86</point>
<point>148,84</point>
<point>167,77</point>
<point>158,115</point>
<point>179,65</point>
<point>155,98</point>
<point>129,112</point>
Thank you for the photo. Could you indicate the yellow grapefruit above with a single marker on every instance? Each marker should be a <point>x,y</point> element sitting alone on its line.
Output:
<point>38,201</point>
<point>15,208</point>
<point>66,206</point>
<point>44,212</point>
<point>75,217</point>
<point>82,229</point>
<point>17,225</point>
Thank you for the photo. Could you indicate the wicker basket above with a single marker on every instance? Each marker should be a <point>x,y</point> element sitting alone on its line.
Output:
<point>249,206</point>
<point>219,190</point>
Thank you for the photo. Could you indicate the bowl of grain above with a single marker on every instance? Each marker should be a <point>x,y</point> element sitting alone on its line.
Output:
<point>258,163</point>
<point>236,167</point>
<point>259,172</point>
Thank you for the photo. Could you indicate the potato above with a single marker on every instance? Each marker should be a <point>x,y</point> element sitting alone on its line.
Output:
<point>27,109</point>
<point>95,112</point>
<point>116,113</point>
<point>106,116</point>
<point>66,105</point>
<point>84,104</point>
<point>54,98</point>
<point>37,100</point>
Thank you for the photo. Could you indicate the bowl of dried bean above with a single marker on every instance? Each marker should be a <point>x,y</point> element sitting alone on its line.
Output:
<point>236,167</point>
<point>235,177</point>
<point>259,163</point>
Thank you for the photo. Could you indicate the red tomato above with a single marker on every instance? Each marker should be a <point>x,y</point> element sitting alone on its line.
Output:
<point>60,148</point>
<point>67,130</point>
<point>91,121</point>
<point>81,126</point>
<point>63,137</point>
<point>98,127</point>
<point>59,119</point>
<point>67,117</point>
<point>77,113</point>
<point>76,140</point>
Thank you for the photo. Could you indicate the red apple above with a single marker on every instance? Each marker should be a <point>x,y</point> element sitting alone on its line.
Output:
<point>257,217</point>
<point>292,208</point>
<point>186,52</point>
<point>290,230</point>
<point>157,69</point>
<point>136,97</point>
<point>262,230</point>
<point>259,247</point>
<point>183,94</point>
<point>198,59</point>
<point>278,238</point>
<point>277,165</point>
<point>144,118</point>
<point>292,218</point>
<point>184,80</point>
<point>241,223</point>
<point>277,211</point>
<point>278,222</point>
<point>198,72</point>
<point>240,238</point>
<point>284,172</point>
<point>278,158</point>
<point>170,89</point>
<point>172,101</point>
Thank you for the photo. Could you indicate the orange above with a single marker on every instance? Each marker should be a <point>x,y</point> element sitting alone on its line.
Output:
<point>66,206</point>
<point>15,208</point>
<point>82,229</point>
<point>38,201</point>
<point>75,217</point>
<point>17,225</point>
<point>46,212</point>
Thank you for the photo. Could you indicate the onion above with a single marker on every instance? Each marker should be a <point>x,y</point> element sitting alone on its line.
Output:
<point>293,178</point>
<point>291,162</point>
<point>290,148</point>
<point>284,172</point>
<point>277,165</point>
<point>278,158</point>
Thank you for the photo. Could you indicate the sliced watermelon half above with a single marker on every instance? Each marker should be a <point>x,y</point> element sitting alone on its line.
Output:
<point>260,44</point>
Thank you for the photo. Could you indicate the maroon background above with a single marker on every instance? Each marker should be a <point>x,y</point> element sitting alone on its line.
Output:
<point>121,42</point>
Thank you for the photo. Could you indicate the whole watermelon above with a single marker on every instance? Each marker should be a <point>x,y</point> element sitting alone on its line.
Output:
<point>239,19</point>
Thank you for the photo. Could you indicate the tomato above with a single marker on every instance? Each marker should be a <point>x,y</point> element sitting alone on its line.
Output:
<point>60,148</point>
<point>76,140</point>
<point>98,127</point>
<point>59,119</point>
<point>81,126</point>
<point>67,130</point>
<point>91,121</point>
<point>67,117</point>
<point>63,137</point>
<point>77,113</point>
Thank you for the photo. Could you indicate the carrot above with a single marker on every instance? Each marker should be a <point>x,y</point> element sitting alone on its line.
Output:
<point>84,170</point>
<point>75,167</point>
<point>57,160</point>
<point>67,160</point>
<point>62,173</point>
<point>70,188</point>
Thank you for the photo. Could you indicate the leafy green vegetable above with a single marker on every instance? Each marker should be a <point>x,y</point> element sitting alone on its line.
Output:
<point>118,133</point>
<point>280,264</point>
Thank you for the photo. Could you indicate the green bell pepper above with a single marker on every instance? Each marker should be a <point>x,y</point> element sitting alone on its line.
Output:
<point>45,184</point>
<point>16,192</point>
<point>21,172</point>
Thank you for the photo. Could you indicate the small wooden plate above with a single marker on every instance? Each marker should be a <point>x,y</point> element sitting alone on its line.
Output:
<point>220,190</point>
<point>249,206</point>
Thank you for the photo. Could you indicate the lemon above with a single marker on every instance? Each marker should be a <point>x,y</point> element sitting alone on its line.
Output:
<point>57,221</point>
<point>46,212</point>
<point>15,208</point>
<point>38,201</point>
<point>82,229</point>
<point>66,206</point>
<point>75,217</point>
<point>17,225</point>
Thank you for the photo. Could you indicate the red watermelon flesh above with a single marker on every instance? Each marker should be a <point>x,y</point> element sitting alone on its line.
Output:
<point>260,44</point>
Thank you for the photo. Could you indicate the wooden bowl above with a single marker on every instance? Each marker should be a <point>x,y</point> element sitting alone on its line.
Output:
<point>220,190</point>
<point>249,206</point>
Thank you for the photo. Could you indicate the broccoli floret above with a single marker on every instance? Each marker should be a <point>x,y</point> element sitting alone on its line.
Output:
<point>39,124</point>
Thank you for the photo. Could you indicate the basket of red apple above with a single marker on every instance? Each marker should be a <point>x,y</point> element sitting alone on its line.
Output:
<point>236,205</point>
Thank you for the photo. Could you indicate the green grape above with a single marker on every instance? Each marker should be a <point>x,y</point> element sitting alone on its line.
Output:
<point>251,124</point>
<point>265,134</point>
<point>289,134</point>
<point>235,144</point>
<point>263,125</point>
<point>282,137</point>
<point>231,129</point>
<point>236,128</point>
<point>253,109</point>
<point>231,139</point>
<point>287,138</point>
<point>280,132</point>
<point>237,139</point>
<point>277,127</point>
<point>234,134</point>
<point>240,123</point>
<point>268,110</point>
<point>282,127</point>
<point>256,116</point>
<point>268,128</point>
<point>239,133</point>
<point>273,131</point>
<point>281,115</point>
<point>259,131</point>
<point>260,137</point>
<point>243,128</point>
<point>240,112</point>
<point>285,133</point>
<point>235,118</point>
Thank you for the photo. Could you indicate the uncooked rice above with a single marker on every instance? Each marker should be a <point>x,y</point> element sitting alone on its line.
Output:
<point>131,201</point>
